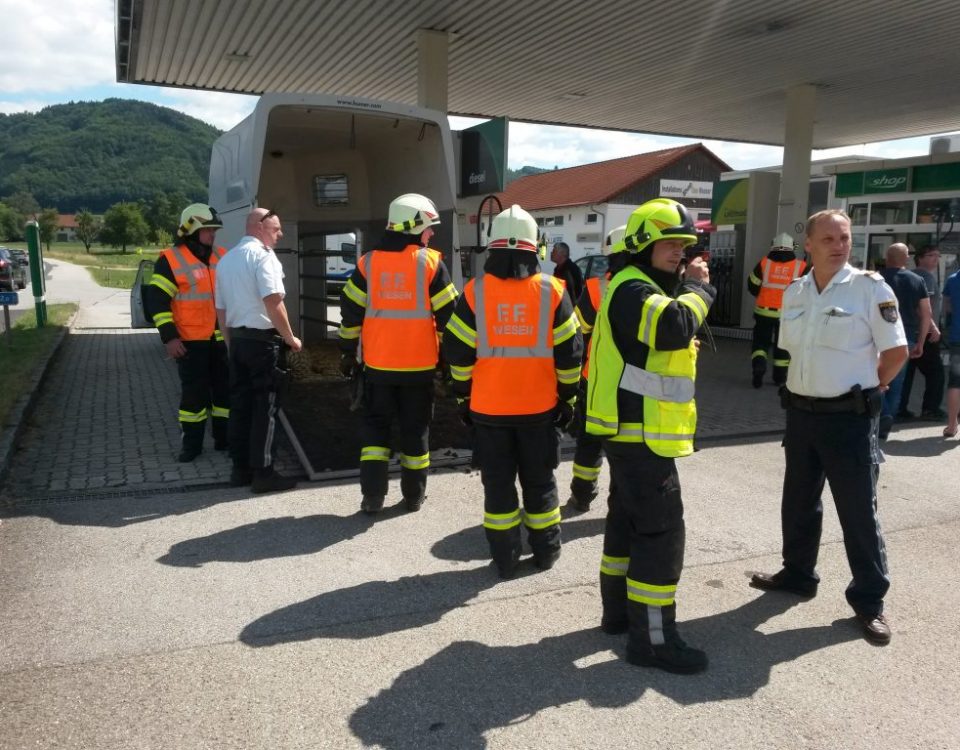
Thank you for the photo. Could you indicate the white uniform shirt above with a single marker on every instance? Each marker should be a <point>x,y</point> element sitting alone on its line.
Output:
<point>835,337</point>
<point>245,275</point>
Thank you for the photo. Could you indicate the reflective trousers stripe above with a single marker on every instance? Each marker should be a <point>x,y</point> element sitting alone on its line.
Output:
<point>191,416</point>
<point>587,473</point>
<point>501,521</point>
<point>650,594</point>
<point>374,453</point>
<point>219,411</point>
<point>415,462</point>
<point>540,521</point>
<point>614,566</point>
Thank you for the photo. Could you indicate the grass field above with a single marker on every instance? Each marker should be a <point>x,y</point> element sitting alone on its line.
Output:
<point>23,349</point>
<point>109,267</point>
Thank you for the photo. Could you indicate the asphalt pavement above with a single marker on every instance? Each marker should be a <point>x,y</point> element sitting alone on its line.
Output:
<point>204,617</point>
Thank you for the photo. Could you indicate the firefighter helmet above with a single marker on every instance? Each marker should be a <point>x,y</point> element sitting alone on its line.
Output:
<point>659,219</point>
<point>198,216</point>
<point>614,242</point>
<point>412,213</point>
<point>513,229</point>
<point>782,240</point>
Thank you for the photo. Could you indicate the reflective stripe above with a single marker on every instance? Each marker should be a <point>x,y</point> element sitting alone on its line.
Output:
<point>163,283</point>
<point>794,273</point>
<point>781,362</point>
<point>415,462</point>
<point>350,332</point>
<point>648,593</point>
<point>614,566</point>
<point>355,293</point>
<point>655,626</point>
<point>758,353</point>
<point>444,296</point>
<point>695,303</point>
<point>565,331</point>
<point>462,331</point>
<point>461,373</point>
<point>162,318</point>
<point>630,432</point>
<point>186,270</point>
<point>540,521</point>
<point>587,473</point>
<point>591,419</point>
<point>218,335</point>
<point>542,347</point>
<point>753,278</point>
<point>193,416</point>
<point>766,312</point>
<point>568,377</point>
<point>653,307</point>
<point>421,308</point>
<point>219,411</point>
<point>584,325</point>
<point>501,521</point>
<point>671,388</point>
<point>374,453</point>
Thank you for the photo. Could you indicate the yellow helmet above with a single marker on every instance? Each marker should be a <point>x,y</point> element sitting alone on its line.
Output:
<point>614,242</point>
<point>198,216</point>
<point>659,219</point>
<point>513,229</point>
<point>411,213</point>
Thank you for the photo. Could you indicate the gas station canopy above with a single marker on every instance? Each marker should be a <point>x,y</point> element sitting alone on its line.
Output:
<point>881,68</point>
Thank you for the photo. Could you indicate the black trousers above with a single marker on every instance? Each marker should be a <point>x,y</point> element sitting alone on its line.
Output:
<point>412,406</point>
<point>204,393</point>
<point>529,452</point>
<point>765,333</point>
<point>841,449</point>
<point>931,366</point>
<point>588,456</point>
<point>254,381</point>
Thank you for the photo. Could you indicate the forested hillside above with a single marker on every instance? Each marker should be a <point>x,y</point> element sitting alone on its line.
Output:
<point>94,154</point>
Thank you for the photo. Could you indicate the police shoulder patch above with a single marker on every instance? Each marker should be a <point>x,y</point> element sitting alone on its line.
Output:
<point>888,311</point>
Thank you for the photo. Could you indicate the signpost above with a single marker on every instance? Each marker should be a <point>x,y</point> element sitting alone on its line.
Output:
<point>37,281</point>
<point>7,299</point>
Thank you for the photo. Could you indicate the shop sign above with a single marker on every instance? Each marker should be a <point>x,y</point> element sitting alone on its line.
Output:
<point>886,181</point>
<point>730,202</point>
<point>680,189</point>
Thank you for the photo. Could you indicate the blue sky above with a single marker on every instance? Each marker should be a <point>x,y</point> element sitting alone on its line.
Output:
<point>57,51</point>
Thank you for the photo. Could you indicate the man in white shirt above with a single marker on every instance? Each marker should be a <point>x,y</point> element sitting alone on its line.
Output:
<point>253,318</point>
<point>846,342</point>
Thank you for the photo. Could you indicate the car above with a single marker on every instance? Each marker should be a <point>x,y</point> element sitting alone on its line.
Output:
<point>592,265</point>
<point>20,256</point>
<point>13,276</point>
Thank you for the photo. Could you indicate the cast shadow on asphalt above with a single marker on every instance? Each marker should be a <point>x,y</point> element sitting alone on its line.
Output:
<point>469,688</point>
<point>901,445</point>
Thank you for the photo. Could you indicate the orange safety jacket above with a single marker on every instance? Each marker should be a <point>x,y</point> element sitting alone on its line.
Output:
<point>514,373</point>
<point>193,307</point>
<point>399,332</point>
<point>596,287</point>
<point>776,278</point>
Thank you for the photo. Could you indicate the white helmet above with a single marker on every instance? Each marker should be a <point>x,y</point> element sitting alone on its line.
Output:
<point>198,216</point>
<point>513,229</point>
<point>783,240</point>
<point>411,213</point>
<point>614,242</point>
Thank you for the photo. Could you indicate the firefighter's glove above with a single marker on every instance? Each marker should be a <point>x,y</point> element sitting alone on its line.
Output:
<point>575,425</point>
<point>563,416</point>
<point>349,365</point>
<point>463,411</point>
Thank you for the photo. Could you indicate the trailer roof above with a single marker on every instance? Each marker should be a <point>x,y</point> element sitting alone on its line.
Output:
<point>883,68</point>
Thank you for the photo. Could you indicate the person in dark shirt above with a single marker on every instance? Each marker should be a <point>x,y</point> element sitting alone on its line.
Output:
<point>914,308</point>
<point>566,270</point>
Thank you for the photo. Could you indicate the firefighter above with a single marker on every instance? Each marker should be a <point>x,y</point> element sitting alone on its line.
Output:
<point>179,299</point>
<point>640,401</point>
<point>395,303</point>
<point>514,350</point>
<point>588,457</point>
<point>767,282</point>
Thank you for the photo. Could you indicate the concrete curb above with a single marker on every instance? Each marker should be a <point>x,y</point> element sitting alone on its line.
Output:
<point>24,407</point>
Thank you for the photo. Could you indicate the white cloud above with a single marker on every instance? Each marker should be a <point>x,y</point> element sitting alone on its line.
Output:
<point>217,108</point>
<point>27,105</point>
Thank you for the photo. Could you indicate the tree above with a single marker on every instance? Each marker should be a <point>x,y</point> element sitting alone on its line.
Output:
<point>11,224</point>
<point>23,203</point>
<point>123,225</point>
<point>88,227</point>
<point>48,221</point>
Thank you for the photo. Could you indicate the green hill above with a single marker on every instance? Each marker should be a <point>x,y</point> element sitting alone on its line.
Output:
<point>94,154</point>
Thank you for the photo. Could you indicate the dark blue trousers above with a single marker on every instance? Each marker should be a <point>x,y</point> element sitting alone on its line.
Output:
<point>840,448</point>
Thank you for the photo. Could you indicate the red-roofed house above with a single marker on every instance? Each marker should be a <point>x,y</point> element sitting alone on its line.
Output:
<point>579,205</point>
<point>66,228</point>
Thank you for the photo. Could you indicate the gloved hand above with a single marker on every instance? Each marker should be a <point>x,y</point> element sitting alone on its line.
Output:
<point>575,425</point>
<point>348,365</point>
<point>563,415</point>
<point>463,411</point>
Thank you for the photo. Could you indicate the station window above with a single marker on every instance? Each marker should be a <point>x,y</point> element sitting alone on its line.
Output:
<point>553,221</point>
<point>858,214</point>
<point>892,212</point>
<point>591,218</point>
<point>330,190</point>
<point>942,209</point>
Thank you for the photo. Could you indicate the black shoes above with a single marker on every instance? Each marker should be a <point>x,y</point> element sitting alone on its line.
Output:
<point>933,415</point>
<point>547,561</point>
<point>875,629</point>
<point>673,656</point>
<point>757,380</point>
<point>240,476</point>
<point>221,445</point>
<point>577,505</point>
<point>371,505</point>
<point>614,626</point>
<point>783,582</point>
<point>267,480</point>
<point>188,454</point>
<point>412,504</point>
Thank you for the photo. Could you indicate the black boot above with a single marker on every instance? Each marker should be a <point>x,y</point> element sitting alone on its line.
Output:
<point>613,595</point>
<point>654,641</point>
<point>240,476</point>
<point>191,440</point>
<point>505,549</point>
<point>371,504</point>
<point>267,480</point>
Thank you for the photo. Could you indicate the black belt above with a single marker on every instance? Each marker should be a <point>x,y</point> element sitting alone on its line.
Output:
<point>257,334</point>
<point>848,402</point>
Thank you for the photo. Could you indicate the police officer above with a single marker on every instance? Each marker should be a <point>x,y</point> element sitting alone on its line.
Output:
<point>588,457</point>
<point>514,350</point>
<point>766,282</point>
<point>179,300</point>
<point>640,401</point>
<point>846,342</point>
<point>393,306</point>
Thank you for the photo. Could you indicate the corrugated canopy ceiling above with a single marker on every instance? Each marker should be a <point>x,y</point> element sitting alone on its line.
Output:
<point>883,68</point>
